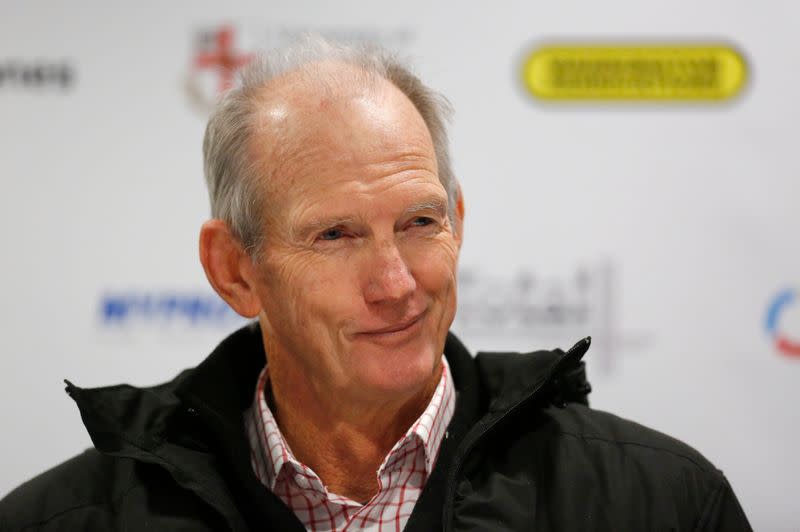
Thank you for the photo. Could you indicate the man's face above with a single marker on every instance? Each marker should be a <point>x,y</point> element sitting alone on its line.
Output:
<point>357,279</point>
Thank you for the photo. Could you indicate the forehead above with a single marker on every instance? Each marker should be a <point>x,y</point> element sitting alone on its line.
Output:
<point>316,129</point>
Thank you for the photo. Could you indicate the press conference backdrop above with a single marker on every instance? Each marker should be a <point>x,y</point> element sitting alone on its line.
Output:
<point>619,201</point>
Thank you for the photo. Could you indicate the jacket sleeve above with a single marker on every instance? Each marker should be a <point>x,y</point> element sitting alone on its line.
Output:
<point>722,511</point>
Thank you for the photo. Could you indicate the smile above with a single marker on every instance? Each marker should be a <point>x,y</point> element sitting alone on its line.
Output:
<point>402,328</point>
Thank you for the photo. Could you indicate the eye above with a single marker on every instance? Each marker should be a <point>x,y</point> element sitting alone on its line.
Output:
<point>331,234</point>
<point>422,221</point>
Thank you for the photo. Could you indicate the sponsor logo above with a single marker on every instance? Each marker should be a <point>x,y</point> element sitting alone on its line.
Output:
<point>634,72</point>
<point>36,74</point>
<point>781,310</point>
<point>165,309</point>
<point>220,51</point>
<point>529,311</point>
<point>214,66</point>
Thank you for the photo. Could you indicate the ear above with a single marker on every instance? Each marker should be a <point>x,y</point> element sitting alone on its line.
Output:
<point>459,228</point>
<point>229,268</point>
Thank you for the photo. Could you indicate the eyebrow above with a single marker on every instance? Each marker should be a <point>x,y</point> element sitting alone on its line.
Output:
<point>434,204</point>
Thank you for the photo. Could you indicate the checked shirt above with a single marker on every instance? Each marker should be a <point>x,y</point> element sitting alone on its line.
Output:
<point>401,476</point>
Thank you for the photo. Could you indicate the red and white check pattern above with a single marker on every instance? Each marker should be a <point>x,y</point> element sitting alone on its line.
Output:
<point>401,476</point>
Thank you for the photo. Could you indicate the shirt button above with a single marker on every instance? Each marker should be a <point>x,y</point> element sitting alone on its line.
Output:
<point>301,481</point>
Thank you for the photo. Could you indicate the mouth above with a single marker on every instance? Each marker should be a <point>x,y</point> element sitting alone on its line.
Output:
<point>395,329</point>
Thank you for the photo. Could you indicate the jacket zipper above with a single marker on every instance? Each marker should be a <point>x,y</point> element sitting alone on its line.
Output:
<point>468,445</point>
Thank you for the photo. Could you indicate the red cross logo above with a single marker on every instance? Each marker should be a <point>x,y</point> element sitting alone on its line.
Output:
<point>223,59</point>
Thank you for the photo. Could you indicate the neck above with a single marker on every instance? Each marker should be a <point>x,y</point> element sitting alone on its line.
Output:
<point>342,439</point>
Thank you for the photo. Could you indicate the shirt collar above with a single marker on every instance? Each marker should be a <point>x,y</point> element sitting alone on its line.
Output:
<point>271,453</point>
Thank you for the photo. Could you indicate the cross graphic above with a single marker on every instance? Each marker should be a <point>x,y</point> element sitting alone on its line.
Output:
<point>223,59</point>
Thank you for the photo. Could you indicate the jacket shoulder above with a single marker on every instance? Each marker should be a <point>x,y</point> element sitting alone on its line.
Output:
<point>596,428</point>
<point>647,466</point>
<point>79,490</point>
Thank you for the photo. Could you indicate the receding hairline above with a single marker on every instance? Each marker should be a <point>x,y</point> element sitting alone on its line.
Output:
<point>327,78</point>
<point>306,89</point>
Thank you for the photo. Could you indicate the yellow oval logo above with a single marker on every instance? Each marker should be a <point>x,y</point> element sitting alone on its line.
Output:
<point>635,72</point>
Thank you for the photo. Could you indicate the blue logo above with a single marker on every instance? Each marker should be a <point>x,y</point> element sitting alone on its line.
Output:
<point>200,309</point>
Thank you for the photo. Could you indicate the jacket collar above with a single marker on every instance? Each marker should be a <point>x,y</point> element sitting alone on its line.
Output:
<point>222,383</point>
<point>510,377</point>
<point>514,384</point>
<point>201,410</point>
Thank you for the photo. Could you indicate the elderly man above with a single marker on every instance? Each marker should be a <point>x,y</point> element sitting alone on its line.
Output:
<point>348,405</point>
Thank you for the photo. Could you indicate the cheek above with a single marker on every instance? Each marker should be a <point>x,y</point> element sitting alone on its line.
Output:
<point>435,268</point>
<point>303,293</point>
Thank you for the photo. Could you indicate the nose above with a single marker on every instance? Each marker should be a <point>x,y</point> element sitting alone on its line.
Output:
<point>388,277</point>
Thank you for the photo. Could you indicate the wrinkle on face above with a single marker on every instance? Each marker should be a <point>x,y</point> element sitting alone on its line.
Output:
<point>363,157</point>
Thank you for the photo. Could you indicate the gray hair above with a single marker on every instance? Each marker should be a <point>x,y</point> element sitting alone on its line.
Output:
<point>232,176</point>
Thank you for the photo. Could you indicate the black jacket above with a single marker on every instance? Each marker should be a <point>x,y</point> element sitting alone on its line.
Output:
<point>523,452</point>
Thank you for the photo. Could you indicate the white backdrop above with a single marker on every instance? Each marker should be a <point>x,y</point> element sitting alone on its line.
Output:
<point>667,231</point>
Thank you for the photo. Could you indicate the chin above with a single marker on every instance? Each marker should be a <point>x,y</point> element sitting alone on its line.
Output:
<point>401,371</point>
